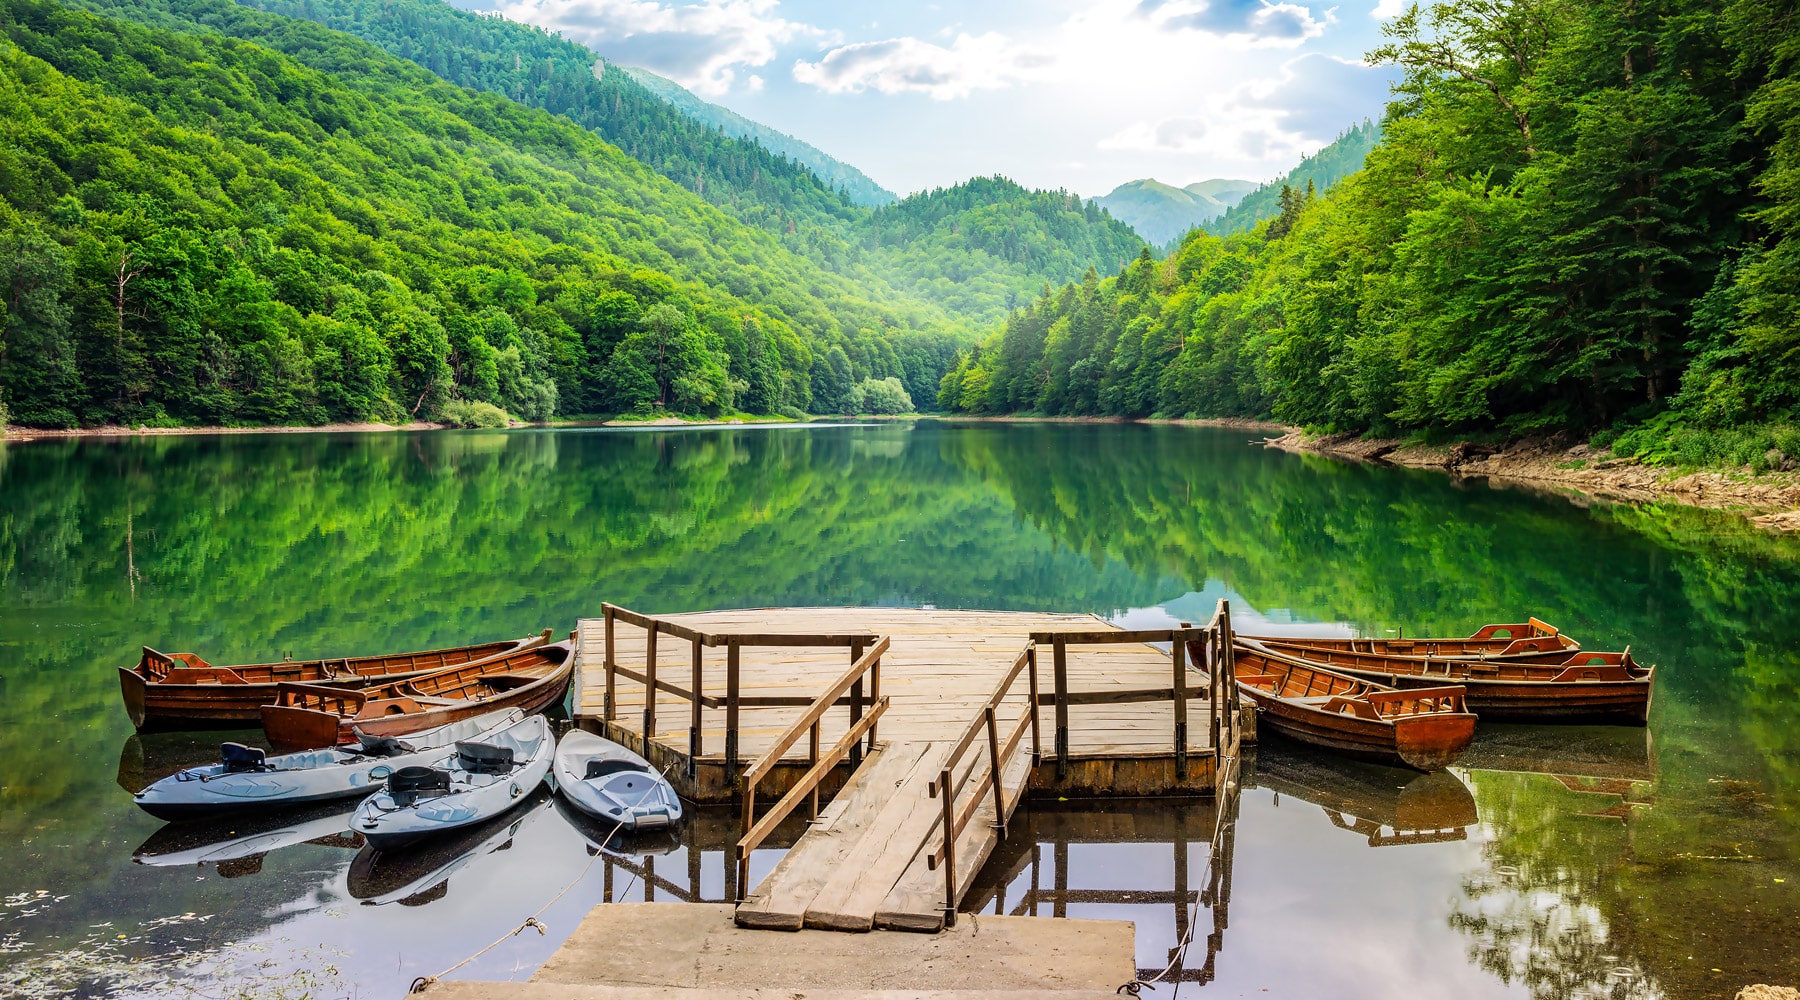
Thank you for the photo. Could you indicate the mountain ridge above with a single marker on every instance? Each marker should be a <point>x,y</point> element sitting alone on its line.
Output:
<point>1162,213</point>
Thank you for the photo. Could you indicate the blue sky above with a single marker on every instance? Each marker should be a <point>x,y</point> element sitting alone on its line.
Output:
<point>1076,94</point>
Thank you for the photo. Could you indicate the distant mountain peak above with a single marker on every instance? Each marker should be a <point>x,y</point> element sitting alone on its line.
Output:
<point>1162,213</point>
<point>861,189</point>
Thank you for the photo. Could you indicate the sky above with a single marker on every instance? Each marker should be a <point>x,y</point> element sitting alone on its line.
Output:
<point>1081,95</point>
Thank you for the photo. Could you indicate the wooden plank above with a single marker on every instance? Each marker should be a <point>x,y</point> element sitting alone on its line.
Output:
<point>855,889</point>
<point>916,902</point>
<point>781,898</point>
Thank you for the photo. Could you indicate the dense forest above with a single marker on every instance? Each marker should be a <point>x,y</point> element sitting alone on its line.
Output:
<point>1579,218</point>
<point>214,214</point>
<point>201,230</point>
<point>810,217</point>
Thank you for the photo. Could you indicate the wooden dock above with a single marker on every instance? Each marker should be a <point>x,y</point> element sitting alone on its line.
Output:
<point>949,718</point>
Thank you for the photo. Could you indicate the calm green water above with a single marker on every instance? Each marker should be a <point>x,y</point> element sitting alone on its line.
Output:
<point>1561,863</point>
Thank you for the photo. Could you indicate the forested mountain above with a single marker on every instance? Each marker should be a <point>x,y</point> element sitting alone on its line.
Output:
<point>530,66</point>
<point>533,67</point>
<point>982,247</point>
<point>1162,213</point>
<point>1597,232</point>
<point>198,229</point>
<point>1343,157</point>
<point>840,175</point>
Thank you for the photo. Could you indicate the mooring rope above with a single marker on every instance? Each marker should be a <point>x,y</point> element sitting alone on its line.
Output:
<point>422,983</point>
<point>1137,986</point>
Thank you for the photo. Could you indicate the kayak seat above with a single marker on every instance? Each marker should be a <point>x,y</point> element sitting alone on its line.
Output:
<point>484,758</point>
<point>382,746</point>
<point>598,768</point>
<point>240,759</point>
<point>410,784</point>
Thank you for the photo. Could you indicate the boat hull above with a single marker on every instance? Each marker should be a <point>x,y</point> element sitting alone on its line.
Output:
<point>633,797</point>
<point>387,826</point>
<point>1423,743</point>
<point>193,694</point>
<point>293,726</point>
<point>1623,701</point>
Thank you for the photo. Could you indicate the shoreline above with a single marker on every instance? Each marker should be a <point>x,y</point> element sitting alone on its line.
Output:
<point>1770,501</point>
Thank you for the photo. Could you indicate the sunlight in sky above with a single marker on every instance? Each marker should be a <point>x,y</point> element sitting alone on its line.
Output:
<point>1078,95</point>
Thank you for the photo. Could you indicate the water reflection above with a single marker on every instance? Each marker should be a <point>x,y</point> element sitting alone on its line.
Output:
<point>248,547</point>
<point>237,844</point>
<point>1387,806</point>
<point>421,873</point>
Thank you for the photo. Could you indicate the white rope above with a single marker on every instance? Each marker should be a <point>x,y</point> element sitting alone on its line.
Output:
<point>1136,985</point>
<point>424,982</point>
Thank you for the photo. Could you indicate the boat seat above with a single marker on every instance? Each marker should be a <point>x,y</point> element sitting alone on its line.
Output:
<point>240,759</point>
<point>484,758</point>
<point>382,746</point>
<point>410,784</point>
<point>602,768</point>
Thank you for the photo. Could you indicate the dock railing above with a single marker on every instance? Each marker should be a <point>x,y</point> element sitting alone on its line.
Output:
<point>694,692</point>
<point>756,830</point>
<point>960,793</point>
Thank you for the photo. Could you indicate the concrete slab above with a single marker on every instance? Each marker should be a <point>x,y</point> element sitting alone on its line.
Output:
<point>699,947</point>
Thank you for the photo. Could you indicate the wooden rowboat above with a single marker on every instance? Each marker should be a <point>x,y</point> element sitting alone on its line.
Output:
<point>1421,728</point>
<point>1533,642</point>
<point>311,715</point>
<point>170,690</point>
<point>1578,687</point>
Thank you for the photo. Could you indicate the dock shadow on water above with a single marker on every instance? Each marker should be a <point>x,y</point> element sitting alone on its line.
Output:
<point>1566,862</point>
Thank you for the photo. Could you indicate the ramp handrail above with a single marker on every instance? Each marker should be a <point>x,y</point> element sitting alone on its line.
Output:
<point>755,831</point>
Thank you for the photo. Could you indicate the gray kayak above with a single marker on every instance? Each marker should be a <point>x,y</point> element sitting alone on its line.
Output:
<point>481,779</point>
<point>247,778</point>
<point>607,781</point>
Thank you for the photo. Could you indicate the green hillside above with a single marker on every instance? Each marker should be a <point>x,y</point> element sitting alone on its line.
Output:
<point>1343,157</point>
<point>527,65</point>
<point>984,246</point>
<point>1597,236</point>
<point>197,229</point>
<point>840,175</point>
<point>1162,213</point>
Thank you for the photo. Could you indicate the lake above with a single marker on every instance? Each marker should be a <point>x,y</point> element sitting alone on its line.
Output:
<point>1559,862</point>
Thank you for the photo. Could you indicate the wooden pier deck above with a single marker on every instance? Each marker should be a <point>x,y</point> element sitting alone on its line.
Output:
<point>936,705</point>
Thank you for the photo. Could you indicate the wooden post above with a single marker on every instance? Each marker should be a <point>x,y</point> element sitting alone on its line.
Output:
<point>1229,681</point>
<point>1037,741</point>
<point>743,856</point>
<point>874,696</point>
<point>1178,653</point>
<point>1215,682</point>
<point>731,710</point>
<point>606,710</point>
<point>856,712</point>
<point>649,689</point>
<point>994,770</point>
<point>812,757</point>
<point>945,793</point>
<point>1060,678</point>
<point>696,741</point>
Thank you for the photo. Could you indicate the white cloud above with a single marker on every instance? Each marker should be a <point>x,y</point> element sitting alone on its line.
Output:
<point>987,61</point>
<point>1255,22</point>
<point>1388,8</point>
<point>1173,135</point>
<point>1317,96</point>
<point>701,45</point>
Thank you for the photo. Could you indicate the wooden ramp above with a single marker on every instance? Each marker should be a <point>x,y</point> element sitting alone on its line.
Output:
<point>951,717</point>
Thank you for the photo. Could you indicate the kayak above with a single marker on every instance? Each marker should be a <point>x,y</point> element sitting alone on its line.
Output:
<point>482,779</point>
<point>248,778</point>
<point>607,781</point>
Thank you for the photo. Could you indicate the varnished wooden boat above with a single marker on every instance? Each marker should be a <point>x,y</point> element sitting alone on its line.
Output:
<point>310,715</point>
<point>1533,642</point>
<point>171,690</point>
<point>1421,728</point>
<point>1579,687</point>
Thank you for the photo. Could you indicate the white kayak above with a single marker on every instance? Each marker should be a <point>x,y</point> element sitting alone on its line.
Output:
<point>607,781</point>
<point>247,778</point>
<point>482,779</point>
